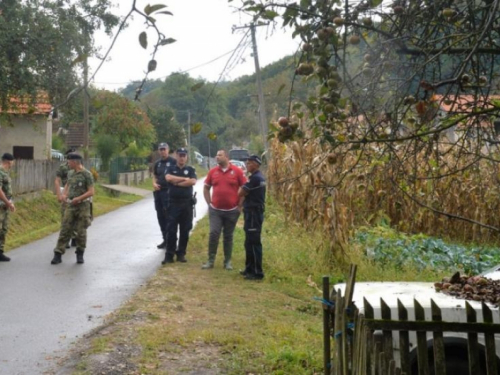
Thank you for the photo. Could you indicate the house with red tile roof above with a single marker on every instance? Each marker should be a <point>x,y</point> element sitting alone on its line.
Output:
<point>26,129</point>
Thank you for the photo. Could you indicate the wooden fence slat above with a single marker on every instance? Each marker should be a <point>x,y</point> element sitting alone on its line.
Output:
<point>423,360</point>
<point>326,327</point>
<point>472,345</point>
<point>438,345</point>
<point>376,358</point>
<point>489,341</point>
<point>387,334</point>
<point>338,332</point>
<point>404,339</point>
<point>432,326</point>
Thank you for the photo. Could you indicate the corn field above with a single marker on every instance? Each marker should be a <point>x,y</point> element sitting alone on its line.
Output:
<point>456,197</point>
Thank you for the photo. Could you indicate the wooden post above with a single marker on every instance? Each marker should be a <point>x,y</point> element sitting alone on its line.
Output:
<point>473,346</point>
<point>438,346</point>
<point>423,360</point>
<point>404,339</point>
<point>489,340</point>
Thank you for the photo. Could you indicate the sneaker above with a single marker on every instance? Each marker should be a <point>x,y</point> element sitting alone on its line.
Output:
<point>228,266</point>
<point>181,258</point>
<point>4,258</point>
<point>163,245</point>
<point>207,266</point>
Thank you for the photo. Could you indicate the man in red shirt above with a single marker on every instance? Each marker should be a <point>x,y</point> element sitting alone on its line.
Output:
<point>224,206</point>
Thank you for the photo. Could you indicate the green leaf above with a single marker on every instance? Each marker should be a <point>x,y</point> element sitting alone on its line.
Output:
<point>143,40</point>
<point>281,88</point>
<point>296,106</point>
<point>375,3</point>
<point>79,59</point>
<point>164,42</point>
<point>196,128</point>
<point>152,65</point>
<point>270,15</point>
<point>166,12</point>
<point>150,9</point>
<point>151,19</point>
<point>198,86</point>
<point>212,136</point>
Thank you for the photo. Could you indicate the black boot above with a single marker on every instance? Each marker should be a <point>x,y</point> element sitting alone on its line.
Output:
<point>4,258</point>
<point>163,245</point>
<point>73,242</point>
<point>79,257</point>
<point>168,259</point>
<point>57,258</point>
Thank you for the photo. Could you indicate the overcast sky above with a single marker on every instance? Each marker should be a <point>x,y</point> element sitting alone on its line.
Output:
<point>203,30</point>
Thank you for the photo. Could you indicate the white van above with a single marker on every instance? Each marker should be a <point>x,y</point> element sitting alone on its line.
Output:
<point>198,157</point>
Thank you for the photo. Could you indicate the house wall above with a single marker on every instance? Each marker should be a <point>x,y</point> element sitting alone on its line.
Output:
<point>34,131</point>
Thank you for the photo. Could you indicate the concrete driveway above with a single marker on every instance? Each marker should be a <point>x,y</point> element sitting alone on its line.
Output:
<point>44,308</point>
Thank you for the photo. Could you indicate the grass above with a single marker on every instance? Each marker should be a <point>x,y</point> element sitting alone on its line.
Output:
<point>41,216</point>
<point>188,319</point>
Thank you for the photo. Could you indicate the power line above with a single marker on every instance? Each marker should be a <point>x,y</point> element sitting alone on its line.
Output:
<point>182,71</point>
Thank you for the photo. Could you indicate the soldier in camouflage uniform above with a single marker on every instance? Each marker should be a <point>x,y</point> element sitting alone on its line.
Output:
<point>77,216</point>
<point>59,183</point>
<point>6,204</point>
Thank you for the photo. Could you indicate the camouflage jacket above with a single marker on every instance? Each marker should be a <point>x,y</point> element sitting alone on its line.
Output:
<point>62,173</point>
<point>79,183</point>
<point>5,183</point>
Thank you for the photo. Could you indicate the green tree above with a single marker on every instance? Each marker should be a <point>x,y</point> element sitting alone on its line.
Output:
<point>39,42</point>
<point>107,145</point>
<point>123,118</point>
<point>167,128</point>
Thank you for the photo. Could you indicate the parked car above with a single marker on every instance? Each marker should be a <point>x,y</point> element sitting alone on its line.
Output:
<point>239,154</point>
<point>452,310</point>
<point>57,155</point>
<point>239,164</point>
<point>198,157</point>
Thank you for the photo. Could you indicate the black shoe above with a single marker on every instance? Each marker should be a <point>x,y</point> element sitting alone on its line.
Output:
<point>4,258</point>
<point>244,273</point>
<point>168,260</point>
<point>57,258</point>
<point>163,245</point>
<point>73,242</point>
<point>68,245</point>
<point>181,258</point>
<point>253,277</point>
<point>79,257</point>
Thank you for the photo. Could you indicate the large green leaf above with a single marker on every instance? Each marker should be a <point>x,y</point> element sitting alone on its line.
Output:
<point>143,40</point>
<point>152,65</point>
<point>196,128</point>
<point>150,9</point>
<point>164,42</point>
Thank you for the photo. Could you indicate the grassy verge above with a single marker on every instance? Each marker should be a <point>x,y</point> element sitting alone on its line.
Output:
<point>190,320</point>
<point>39,217</point>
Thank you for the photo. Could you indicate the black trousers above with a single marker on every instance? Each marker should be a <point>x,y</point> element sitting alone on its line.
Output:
<point>254,218</point>
<point>161,207</point>
<point>180,218</point>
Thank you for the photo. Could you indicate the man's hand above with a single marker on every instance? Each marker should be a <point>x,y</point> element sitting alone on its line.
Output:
<point>156,187</point>
<point>60,198</point>
<point>11,207</point>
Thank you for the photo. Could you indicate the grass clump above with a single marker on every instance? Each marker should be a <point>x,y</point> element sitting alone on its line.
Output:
<point>38,217</point>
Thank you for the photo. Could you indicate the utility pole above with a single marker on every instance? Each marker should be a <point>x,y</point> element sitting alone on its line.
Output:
<point>86,131</point>
<point>189,133</point>
<point>262,108</point>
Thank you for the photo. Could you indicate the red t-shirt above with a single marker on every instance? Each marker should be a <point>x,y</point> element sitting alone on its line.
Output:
<point>225,186</point>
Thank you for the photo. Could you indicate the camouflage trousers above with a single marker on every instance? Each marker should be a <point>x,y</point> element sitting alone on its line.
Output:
<point>4,226</point>
<point>75,222</point>
<point>63,210</point>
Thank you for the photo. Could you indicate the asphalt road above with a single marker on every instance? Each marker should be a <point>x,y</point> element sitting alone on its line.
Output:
<point>44,308</point>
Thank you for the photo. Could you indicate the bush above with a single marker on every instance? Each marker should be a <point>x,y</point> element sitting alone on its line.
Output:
<point>107,146</point>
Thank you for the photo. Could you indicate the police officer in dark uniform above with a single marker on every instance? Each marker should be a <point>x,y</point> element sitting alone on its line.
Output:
<point>181,178</point>
<point>160,187</point>
<point>254,192</point>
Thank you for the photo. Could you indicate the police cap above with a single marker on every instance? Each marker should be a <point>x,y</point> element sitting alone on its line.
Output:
<point>162,145</point>
<point>255,158</point>
<point>182,150</point>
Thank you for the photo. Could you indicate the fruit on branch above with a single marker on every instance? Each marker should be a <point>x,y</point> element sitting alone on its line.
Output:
<point>283,121</point>
<point>354,39</point>
<point>339,21</point>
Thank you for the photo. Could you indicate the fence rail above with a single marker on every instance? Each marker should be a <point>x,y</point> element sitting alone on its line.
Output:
<point>30,176</point>
<point>364,345</point>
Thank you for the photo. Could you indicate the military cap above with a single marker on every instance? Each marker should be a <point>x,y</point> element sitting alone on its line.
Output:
<point>182,150</point>
<point>7,156</point>
<point>69,151</point>
<point>255,158</point>
<point>74,156</point>
<point>162,145</point>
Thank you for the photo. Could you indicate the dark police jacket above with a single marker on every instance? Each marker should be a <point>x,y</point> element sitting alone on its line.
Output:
<point>160,170</point>
<point>180,194</point>
<point>256,187</point>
